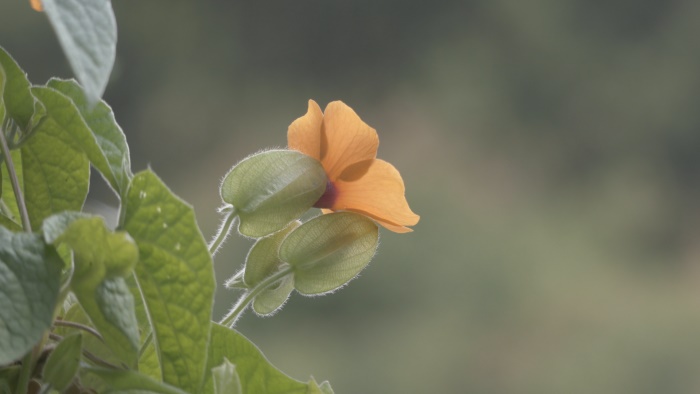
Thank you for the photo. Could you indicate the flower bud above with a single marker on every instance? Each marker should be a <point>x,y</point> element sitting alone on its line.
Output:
<point>270,189</point>
<point>330,250</point>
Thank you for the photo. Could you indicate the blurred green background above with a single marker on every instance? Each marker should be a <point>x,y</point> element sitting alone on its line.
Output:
<point>551,147</point>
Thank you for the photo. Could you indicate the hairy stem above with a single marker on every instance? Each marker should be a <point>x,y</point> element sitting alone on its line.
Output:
<point>246,298</point>
<point>224,231</point>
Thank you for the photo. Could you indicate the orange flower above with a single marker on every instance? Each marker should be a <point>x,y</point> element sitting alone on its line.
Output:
<point>36,4</point>
<point>357,181</point>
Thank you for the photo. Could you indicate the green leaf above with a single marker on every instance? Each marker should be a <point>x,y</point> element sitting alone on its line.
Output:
<point>87,31</point>
<point>148,362</point>
<point>8,195</point>
<point>3,112</point>
<point>106,146</point>
<point>256,374</point>
<point>102,258</point>
<point>328,251</point>
<point>20,104</point>
<point>8,378</point>
<point>56,171</point>
<point>226,380</point>
<point>63,362</point>
<point>30,274</point>
<point>324,388</point>
<point>124,381</point>
<point>9,224</point>
<point>270,189</point>
<point>175,276</point>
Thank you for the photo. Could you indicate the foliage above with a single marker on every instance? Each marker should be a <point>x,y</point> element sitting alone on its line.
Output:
<point>89,308</point>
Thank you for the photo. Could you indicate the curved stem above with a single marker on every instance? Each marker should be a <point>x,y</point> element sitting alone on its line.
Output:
<point>246,298</point>
<point>71,324</point>
<point>15,183</point>
<point>224,231</point>
<point>90,356</point>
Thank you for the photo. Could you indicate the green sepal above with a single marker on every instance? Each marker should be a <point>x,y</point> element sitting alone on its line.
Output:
<point>270,189</point>
<point>63,362</point>
<point>30,277</point>
<point>330,250</point>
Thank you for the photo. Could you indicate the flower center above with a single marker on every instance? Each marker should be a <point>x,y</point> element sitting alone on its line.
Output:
<point>328,197</point>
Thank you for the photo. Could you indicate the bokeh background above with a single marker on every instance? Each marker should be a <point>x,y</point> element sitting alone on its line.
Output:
<point>552,148</point>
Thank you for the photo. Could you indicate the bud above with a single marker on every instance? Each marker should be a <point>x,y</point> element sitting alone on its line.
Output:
<point>270,189</point>
<point>330,250</point>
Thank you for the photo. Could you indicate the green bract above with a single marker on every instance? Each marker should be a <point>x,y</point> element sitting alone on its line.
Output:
<point>330,250</point>
<point>263,261</point>
<point>270,189</point>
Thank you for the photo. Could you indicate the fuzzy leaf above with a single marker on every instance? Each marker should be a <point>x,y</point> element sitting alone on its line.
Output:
<point>30,273</point>
<point>175,276</point>
<point>87,31</point>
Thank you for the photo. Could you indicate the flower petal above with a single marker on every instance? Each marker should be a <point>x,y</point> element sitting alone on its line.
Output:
<point>36,5</point>
<point>304,134</point>
<point>346,139</point>
<point>378,193</point>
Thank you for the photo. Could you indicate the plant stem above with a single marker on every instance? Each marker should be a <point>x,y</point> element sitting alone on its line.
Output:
<point>223,233</point>
<point>90,356</point>
<point>6,210</point>
<point>246,298</point>
<point>71,324</point>
<point>147,342</point>
<point>15,183</point>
